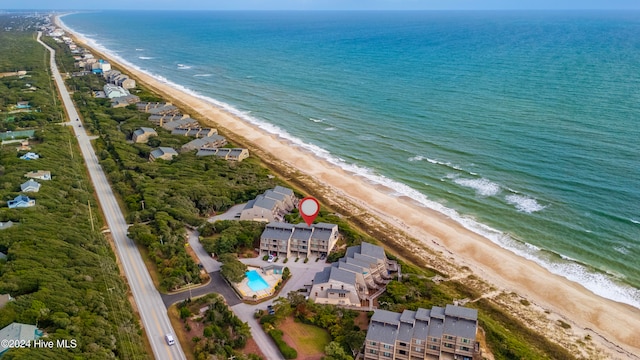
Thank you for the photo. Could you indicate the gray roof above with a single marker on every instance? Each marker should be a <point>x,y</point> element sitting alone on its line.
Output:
<point>382,333</point>
<point>357,262</point>
<point>265,203</point>
<point>163,150</point>
<point>301,233</point>
<point>184,122</point>
<point>437,312</point>
<point>321,233</point>
<point>144,130</point>
<point>408,316</point>
<point>236,152</point>
<point>274,195</point>
<point>322,277</point>
<point>350,267</point>
<point>435,327</point>
<point>374,251</point>
<point>204,141</point>
<point>343,276</point>
<point>461,312</point>
<point>385,316</point>
<point>29,183</point>
<point>277,231</point>
<point>460,327</point>
<point>283,190</point>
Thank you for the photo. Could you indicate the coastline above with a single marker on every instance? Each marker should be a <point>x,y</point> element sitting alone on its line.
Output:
<point>350,194</point>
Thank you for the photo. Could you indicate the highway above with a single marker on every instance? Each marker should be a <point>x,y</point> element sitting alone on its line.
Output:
<point>147,298</point>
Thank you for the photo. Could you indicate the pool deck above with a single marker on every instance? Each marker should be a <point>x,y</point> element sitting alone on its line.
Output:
<point>269,277</point>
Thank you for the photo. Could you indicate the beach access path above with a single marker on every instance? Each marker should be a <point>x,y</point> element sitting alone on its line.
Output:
<point>147,298</point>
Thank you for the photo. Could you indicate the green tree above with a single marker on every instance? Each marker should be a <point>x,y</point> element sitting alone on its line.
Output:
<point>335,352</point>
<point>232,268</point>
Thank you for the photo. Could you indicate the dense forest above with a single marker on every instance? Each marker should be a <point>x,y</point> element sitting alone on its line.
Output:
<point>59,268</point>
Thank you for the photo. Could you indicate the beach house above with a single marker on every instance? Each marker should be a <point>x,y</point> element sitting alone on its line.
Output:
<point>21,201</point>
<point>436,333</point>
<point>30,156</point>
<point>194,131</point>
<point>233,154</point>
<point>371,270</point>
<point>114,91</point>
<point>30,186</point>
<point>213,141</point>
<point>179,122</point>
<point>40,174</point>
<point>142,135</point>
<point>271,206</point>
<point>164,153</point>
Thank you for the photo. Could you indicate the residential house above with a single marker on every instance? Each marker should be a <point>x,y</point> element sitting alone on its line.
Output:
<point>163,119</point>
<point>233,154</point>
<point>22,105</point>
<point>19,333</point>
<point>40,174</point>
<point>158,108</point>
<point>122,101</point>
<point>114,91</point>
<point>183,122</point>
<point>143,134</point>
<point>288,240</point>
<point>270,206</point>
<point>196,132</point>
<point>436,333</point>
<point>213,141</point>
<point>30,186</point>
<point>5,224</point>
<point>372,271</point>
<point>30,156</point>
<point>164,153</point>
<point>21,201</point>
<point>335,286</point>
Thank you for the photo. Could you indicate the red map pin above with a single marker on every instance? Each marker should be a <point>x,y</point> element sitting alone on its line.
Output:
<point>309,209</point>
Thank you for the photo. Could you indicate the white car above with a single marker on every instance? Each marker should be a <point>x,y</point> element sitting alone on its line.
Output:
<point>169,339</point>
<point>271,258</point>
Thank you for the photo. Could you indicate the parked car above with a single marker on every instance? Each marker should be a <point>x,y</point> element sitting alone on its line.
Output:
<point>270,310</point>
<point>169,339</point>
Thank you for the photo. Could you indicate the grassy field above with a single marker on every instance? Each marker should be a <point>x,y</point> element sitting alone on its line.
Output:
<point>308,340</point>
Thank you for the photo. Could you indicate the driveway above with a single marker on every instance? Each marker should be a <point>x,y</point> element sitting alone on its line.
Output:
<point>229,214</point>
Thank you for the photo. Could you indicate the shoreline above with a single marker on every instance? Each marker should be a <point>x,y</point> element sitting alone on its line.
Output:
<point>616,322</point>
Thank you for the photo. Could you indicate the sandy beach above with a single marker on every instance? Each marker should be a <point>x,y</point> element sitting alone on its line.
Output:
<point>440,241</point>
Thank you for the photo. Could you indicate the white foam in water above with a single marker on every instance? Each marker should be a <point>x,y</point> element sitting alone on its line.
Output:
<point>139,49</point>
<point>203,75</point>
<point>482,186</point>
<point>598,283</point>
<point>145,57</point>
<point>182,66</point>
<point>316,120</point>
<point>331,129</point>
<point>416,158</point>
<point>621,250</point>
<point>524,203</point>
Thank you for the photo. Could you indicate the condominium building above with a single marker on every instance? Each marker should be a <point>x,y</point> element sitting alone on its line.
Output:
<point>438,333</point>
<point>300,240</point>
<point>271,206</point>
<point>356,279</point>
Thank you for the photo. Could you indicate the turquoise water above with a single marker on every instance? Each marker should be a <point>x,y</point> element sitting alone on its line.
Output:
<point>256,282</point>
<point>523,127</point>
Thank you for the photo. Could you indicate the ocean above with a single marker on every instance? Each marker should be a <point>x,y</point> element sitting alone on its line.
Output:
<point>522,126</point>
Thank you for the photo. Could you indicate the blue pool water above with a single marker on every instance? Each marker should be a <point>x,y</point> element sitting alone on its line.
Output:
<point>256,282</point>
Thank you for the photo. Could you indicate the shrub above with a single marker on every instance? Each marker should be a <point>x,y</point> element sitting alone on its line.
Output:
<point>287,351</point>
<point>306,260</point>
<point>285,260</point>
<point>265,258</point>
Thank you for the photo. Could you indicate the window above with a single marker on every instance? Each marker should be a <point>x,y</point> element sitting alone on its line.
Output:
<point>386,354</point>
<point>316,294</point>
<point>447,345</point>
<point>371,351</point>
<point>464,348</point>
<point>466,341</point>
<point>418,341</point>
<point>321,288</point>
<point>433,347</point>
<point>342,295</point>
<point>387,346</point>
<point>402,352</point>
<point>418,349</point>
<point>402,344</point>
<point>373,343</point>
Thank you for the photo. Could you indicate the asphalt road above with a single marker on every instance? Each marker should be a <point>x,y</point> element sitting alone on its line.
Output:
<point>150,306</point>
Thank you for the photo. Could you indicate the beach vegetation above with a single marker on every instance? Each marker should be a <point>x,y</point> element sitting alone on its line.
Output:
<point>230,236</point>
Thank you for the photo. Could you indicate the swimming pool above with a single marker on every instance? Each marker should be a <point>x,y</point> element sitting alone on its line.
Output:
<point>256,282</point>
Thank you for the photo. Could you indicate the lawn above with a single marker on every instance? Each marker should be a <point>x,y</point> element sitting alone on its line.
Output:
<point>308,340</point>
